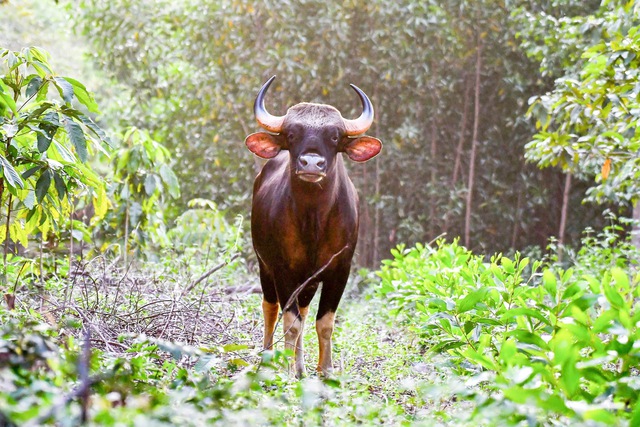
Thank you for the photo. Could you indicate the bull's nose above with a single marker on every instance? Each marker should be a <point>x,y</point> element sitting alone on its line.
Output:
<point>312,163</point>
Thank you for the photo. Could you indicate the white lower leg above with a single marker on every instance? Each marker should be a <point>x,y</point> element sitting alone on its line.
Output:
<point>292,329</point>
<point>300,371</point>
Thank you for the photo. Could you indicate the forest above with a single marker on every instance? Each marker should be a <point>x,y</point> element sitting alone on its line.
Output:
<point>495,278</point>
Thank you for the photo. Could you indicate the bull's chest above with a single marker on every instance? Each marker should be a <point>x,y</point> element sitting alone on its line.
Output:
<point>309,243</point>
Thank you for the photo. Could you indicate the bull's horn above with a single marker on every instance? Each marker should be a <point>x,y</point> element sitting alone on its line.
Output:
<point>362,123</point>
<point>264,118</point>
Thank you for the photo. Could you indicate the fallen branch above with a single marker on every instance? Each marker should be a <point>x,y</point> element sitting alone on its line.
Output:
<point>209,273</point>
<point>243,289</point>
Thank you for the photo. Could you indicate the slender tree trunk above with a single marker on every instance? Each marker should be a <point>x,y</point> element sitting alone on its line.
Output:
<point>474,147</point>
<point>458,159</point>
<point>126,235</point>
<point>71,239</point>
<point>6,236</point>
<point>376,219</point>
<point>375,255</point>
<point>516,220</point>
<point>365,220</point>
<point>635,231</point>
<point>434,178</point>
<point>463,129</point>
<point>563,215</point>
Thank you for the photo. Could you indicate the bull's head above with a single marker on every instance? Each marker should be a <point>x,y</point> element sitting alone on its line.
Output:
<point>313,134</point>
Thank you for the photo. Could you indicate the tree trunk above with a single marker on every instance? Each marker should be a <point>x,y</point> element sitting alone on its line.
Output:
<point>364,236</point>
<point>563,215</point>
<point>376,225</point>
<point>474,147</point>
<point>434,177</point>
<point>458,159</point>
<point>463,128</point>
<point>635,231</point>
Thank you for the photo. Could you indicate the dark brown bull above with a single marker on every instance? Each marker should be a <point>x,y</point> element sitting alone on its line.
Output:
<point>305,214</point>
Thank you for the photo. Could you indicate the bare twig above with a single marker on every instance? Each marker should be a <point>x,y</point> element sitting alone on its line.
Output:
<point>209,273</point>
<point>294,295</point>
<point>64,400</point>
<point>83,373</point>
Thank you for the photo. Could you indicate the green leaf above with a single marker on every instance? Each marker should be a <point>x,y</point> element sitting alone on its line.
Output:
<point>635,415</point>
<point>10,175</point>
<point>469,302</point>
<point>7,99</point>
<point>61,187</point>
<point>479,359</point>
<point>523,311</point>
<point>234,347</point>
<point>620,277</point>
<point>612,295</point>
<point>550,283</point>
<point>150,184</point>
<point>76,135</point>
<point>43,184</point>
<point>47,129</point>
<point>445,345</point>
<point>34,85</point>
<point>83,95</point>
<point>507,351</point>
<point>64,88</point>
<point>29,172</point>
<point>171,180</point>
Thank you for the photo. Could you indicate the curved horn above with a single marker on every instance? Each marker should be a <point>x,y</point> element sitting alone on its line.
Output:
<point>362,123</point>
<point>264,118</point>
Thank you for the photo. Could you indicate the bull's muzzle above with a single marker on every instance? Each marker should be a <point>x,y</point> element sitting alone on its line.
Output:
<point>311,167</point>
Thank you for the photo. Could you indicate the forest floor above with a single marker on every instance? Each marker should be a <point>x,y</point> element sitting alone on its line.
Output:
<point>382,375</point>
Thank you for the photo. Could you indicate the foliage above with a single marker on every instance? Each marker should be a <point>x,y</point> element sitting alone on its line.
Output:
<point>587,124</point>
<point>45,142</point>
<point>555,344</point>
<point>159,356</point>
<point>204,229</point>
<point>143,181</point>
<point>190,71</point>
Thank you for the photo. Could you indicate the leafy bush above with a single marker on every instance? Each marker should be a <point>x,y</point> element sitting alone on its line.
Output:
<point>547,343</point>
<point>45,143</point>
<point>204,228</point>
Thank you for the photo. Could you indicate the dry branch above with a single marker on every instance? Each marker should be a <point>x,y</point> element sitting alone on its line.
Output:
<point>209,273</point>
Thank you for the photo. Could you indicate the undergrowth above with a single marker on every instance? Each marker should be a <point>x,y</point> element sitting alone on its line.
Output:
<point>439,336</point>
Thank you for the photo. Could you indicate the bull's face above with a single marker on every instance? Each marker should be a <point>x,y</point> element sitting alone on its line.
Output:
<point>313,134</point>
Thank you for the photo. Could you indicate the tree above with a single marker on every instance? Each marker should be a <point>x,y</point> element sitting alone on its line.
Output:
<point>587,123</point>
<point>191,69</point>
<point>45,142</point>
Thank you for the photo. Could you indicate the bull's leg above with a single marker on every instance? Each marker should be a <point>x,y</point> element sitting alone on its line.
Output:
<point>270,312</point>
<point>332,290</point>
<point>269,306</point>
<point>292,324</point>
<point>300,371</point>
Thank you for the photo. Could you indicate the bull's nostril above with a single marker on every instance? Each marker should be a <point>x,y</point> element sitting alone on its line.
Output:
<point>304,161</point>
<point>321,164</point>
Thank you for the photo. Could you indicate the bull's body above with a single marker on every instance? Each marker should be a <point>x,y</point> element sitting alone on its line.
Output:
<point>304,219</point>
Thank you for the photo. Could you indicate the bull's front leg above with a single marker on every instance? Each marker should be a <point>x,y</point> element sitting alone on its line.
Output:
<point>270,313</point>
<point>293,323</point>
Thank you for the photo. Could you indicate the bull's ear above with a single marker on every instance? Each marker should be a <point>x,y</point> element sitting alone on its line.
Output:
<point>363,148</point>
<point>263,144</point>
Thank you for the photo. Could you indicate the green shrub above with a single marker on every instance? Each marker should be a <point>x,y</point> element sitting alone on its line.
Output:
<point>548,343</point>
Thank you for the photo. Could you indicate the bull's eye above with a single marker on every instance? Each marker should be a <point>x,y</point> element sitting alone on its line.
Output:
<point>334,138</point>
